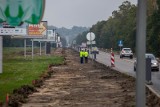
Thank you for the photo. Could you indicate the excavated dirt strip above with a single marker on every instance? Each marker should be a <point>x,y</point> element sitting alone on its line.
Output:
<point>84,85</point>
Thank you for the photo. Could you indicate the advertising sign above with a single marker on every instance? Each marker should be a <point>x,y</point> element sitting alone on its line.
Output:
<point>13,31</point>
<point>37,30</point>
<point>14,12</point>
<point>6,29</point>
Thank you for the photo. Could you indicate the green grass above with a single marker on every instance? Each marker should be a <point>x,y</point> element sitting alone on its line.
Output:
<point>18,71</point>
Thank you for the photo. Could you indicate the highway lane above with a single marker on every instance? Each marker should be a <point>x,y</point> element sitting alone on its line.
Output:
<point>125,65</point>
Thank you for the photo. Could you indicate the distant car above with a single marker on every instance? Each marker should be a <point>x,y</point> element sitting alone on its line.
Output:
<point>126,52</point>
<point>154,62</point>
<point>95,50</point>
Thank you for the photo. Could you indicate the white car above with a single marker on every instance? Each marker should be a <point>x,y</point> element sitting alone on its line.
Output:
<point>126,52</point>
<point>154,62</point>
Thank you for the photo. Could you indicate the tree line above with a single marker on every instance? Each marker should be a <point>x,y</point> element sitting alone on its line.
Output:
<point>121,25</point>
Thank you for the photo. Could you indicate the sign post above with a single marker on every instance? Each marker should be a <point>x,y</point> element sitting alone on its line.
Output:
<point>25,48</point>
<point>40,48</point>
<point>120,44</point>
<point>32,48</point>
<point>1,54</point>
<point>90,36</point>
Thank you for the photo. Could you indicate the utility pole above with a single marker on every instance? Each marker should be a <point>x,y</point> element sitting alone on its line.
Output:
<point>141,50</point>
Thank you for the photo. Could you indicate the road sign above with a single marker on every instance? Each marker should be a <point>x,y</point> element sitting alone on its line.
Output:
<point>120,43</point>
<point>90,36</point>
<point>89,42</point>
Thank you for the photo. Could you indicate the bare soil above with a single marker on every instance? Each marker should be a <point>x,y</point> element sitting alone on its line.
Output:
<point>82,85</point>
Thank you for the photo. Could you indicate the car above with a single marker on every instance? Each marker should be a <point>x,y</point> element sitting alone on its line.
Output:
<point>154,62</point>
<point>126,52</point>
<point>95,50</point>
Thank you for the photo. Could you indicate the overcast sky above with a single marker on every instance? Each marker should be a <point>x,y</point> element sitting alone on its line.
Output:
<point>85,13</point>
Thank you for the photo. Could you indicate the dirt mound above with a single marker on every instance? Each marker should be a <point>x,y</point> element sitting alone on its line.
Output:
<point>19,95</point>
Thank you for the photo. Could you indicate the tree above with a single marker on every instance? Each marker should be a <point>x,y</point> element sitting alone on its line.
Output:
<point>153,33</point>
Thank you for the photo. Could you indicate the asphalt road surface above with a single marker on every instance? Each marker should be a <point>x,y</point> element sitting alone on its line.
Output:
<point>126,65</point>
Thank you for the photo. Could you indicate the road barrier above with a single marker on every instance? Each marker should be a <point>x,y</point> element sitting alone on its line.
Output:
<point>112,59</point>
<point>7,99</point>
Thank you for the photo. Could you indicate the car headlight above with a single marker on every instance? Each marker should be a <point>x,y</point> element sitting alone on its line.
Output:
<point>155,63</point>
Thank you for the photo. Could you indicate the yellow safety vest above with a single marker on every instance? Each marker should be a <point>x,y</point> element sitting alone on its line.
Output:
<point>81,54</point>
<point>86,54</point>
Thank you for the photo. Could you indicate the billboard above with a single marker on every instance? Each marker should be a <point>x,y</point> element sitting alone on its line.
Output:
<point>14,12</point>
<point>6,29</point>
<point>37,30</point>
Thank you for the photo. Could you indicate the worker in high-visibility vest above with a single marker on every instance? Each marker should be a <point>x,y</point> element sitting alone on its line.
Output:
<point>81,54</point>
<point>86,55</point>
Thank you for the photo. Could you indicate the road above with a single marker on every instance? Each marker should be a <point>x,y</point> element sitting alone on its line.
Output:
<point>125,65</point>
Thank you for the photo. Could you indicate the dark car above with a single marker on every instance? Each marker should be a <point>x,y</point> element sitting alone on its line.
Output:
<point>154,62</point>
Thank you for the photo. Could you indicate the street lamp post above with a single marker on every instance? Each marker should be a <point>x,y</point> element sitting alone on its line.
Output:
<point>141,48</point>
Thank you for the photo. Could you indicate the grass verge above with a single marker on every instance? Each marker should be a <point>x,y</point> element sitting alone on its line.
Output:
<point>18,71</point>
